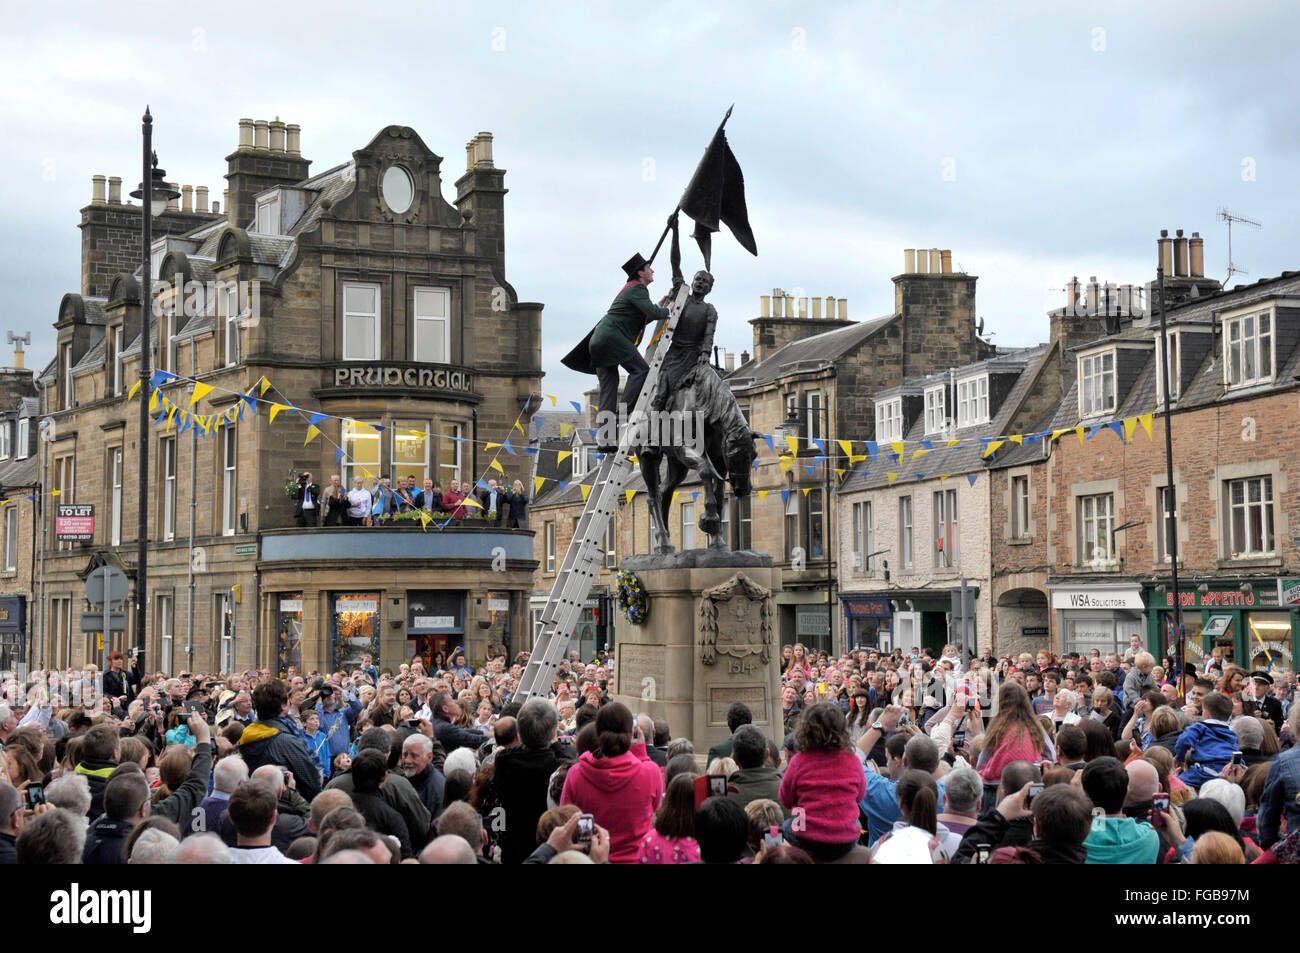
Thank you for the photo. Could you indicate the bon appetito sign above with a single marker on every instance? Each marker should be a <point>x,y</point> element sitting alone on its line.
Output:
<point>75,523</point>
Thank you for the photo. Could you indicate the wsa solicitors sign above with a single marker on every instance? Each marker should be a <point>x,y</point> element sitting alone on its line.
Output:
<point>1098,597</point>
<point>75,523</point>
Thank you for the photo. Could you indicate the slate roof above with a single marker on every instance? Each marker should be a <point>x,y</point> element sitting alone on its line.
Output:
<point>820,348</point>
<point>332,184</point>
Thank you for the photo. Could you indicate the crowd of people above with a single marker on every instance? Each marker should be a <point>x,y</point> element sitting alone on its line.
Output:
<point>875,757</point>
<point>374,500</point>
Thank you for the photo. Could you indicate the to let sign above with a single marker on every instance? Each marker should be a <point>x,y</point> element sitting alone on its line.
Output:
<point>74,523</point>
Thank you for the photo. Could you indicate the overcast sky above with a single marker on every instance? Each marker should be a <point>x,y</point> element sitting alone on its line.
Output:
<point>1034,143</point>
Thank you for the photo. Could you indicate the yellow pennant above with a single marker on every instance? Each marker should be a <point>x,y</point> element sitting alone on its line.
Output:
<point>171,415</point>
<point>538,482</point>
<point>919,453</point>
<point>519,426</point>
<point>551,398</point>
<point>785,467</point>
<point>55,492</point>
<point>496,465</point>
<point>892,478</point>
<point>629,494</point>
<point>807,490</point>
<point>276,408</point>
<point>312,433</point>
<point>493,446</point>
<point>1130,425</point>
<point>1078,432</point>
<point>676,493</point>
<point>586,491</point>
<point>793,443</point>
<point>265,386</point>
<point>425,520</point>
<point>898,448</point>
<point>1057,434</point>
<point>1145,421</point>
<point>565,428</point>
<point>846,446</point>
<point>763,493</point>
<point>200,391</point>
<point>839,472</point>
<point>1017,438</point>
<point>563,455</point>
<point>135,389</point>
<point>856,458</point>
<point>943,477</point>
<point>153,403</point>
<point>992,447</point>
<point>953,443</point>
<point>632,458</point>
<point>470,501</point>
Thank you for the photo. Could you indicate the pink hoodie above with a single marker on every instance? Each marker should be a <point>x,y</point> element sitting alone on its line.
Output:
<point>622,793</point>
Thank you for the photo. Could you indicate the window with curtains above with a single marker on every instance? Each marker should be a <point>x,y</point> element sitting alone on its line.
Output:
<point>945,529</point>
<point>1096,520</point>
<point>360,322</point>
<point>1097,384</point>
<point>229,482</point>
<point>1250,517</point>
<point>1248,349</point>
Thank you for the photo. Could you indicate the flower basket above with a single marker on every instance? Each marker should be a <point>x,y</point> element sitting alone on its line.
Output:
<point>632,599</point>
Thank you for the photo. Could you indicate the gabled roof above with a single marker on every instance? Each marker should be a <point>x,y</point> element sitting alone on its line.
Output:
<point>820,348</point>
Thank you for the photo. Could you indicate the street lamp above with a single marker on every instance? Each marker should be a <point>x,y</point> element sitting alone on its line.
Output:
<point>154,194</point>
<point>791,427</point>
<point>1179,633</point>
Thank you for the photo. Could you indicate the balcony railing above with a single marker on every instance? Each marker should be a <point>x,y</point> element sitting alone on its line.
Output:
<point>467,539</point>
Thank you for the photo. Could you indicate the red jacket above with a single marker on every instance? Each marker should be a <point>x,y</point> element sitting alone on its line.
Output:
<point>451,501</point>
<point>622,793</point>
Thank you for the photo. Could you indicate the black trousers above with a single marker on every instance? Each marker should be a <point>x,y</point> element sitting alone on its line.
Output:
<point>637,369</point>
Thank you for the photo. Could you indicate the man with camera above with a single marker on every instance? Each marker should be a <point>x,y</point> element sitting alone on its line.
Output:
<point>306,501</point>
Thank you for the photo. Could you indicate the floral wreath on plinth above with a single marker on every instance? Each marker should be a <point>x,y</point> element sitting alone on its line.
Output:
<point>632,598</point>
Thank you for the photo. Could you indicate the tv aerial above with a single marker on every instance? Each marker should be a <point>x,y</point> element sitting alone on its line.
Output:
<point>1228,218</point>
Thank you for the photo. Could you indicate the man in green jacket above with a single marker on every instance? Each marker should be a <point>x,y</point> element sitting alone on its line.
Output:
<point>613,343</point>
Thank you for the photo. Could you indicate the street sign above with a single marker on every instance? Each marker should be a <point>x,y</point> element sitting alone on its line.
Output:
<point>94,622</point>
<point>246,549</point>
<point>107,583</point>
<point>74,523</point>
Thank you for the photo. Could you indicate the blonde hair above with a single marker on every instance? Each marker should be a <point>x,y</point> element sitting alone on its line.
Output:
<point>1214,847</point>
<point>1144,660</point>
<point>725,766</point>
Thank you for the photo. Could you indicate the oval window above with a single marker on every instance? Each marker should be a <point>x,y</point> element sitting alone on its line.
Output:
<point>398,189</point>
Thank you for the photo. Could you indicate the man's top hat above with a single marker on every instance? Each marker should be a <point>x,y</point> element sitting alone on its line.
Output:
<point>633,265</point>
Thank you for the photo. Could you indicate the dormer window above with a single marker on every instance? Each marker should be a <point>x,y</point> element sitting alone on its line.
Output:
<point>1175,357</point>
<point>1248,349</point>
<point>973,401</point>
<point>1097,384</point>
<point>889,419</point>
<point>268,216</point>
<point>936,409</point>
<point>24,438</point>
<point>579,459</point>
<point>69,388</point>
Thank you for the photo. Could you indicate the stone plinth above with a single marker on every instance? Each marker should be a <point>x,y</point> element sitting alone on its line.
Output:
<point>711,638</point>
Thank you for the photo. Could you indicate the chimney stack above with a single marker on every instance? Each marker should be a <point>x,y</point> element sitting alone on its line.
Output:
<point>201,198</point>
<point>480,151</point>
<point>1180,254</point>
<point>947,261</point>
<point>277,135</point>
<point>97,189</point>
<point>114,190</point>
<point>909,261</point>
<point>245,134</point>
<point>187,198</point>
<point>1196,249</point>
<point>261,135</point>
<point>293,139</point>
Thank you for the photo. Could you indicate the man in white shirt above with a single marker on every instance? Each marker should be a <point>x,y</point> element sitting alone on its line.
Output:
<point>306,501</point>
<point>253,811</point>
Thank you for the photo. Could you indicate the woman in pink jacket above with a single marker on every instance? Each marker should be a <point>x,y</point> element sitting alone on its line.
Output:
<point>823,785</point>
<point>617,783</point>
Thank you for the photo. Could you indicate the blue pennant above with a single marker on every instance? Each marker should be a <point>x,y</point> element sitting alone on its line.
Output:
<point>159,378</point>
<point>785,495</point>
<point>482,484</point>
<point>872,447</point>
<point>314,419</point>
<point>812,469</point>
<point>1118,427</point>
<point>509,449</point>
<point>927,444</point>
<point>563,484</point>
<point>577,407</point>
<point>819,444</point>
<point>1092,431</point>
<point>338,456</point>
<point>539,421</point>
<point>971,478</point>
<point>532,449</point>
<point>767,438</point>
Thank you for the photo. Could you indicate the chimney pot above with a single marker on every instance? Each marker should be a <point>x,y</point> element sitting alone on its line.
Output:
<point>1180,254</point>
<point>187,198</point>
<point>216,208</point>
<point>245,134</point>
<point>789,306</point>
<point>483,150</point>
<point>277,135</point>
<point>469,156</point>
<point>201,198</point>
<point>816,308</point>
<point>744,357</point>
<point>1164,233</point>
<point>936,261</point>
<point>1092,294</point>
<point>173,205</point>
<point>922,259</point>
<point>114,190</point>
<point>764,306</point>
<point>947,261</point>
<point>293,139</point>
<point>909,261</point>
<point>844,309</point>
<point>1072,293</point>
<point>803,307</point>
<point>97,189</point>
<point>261,137</point>
<point>729,362</point>
<point>1165,249</point>
<point>19,357</point>
<point>1196,249</point>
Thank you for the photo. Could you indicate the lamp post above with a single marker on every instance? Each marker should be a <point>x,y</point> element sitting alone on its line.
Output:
<point>791,427</point>
<point>154,194</point>
<point>1179,635</point>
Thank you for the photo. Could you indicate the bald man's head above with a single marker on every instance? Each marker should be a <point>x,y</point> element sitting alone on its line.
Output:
<point>448,849</point>
<point>1143,782</point>
<point>273,775</point>
<point>347,857</point>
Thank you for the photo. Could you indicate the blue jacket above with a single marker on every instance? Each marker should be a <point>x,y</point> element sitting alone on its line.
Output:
<point>337,726</point>
<point>320,748</point>
<point>1212,744</point>
<point>881,804</point>
<point>1281,793</point>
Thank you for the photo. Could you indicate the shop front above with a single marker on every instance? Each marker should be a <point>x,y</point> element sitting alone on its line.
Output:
<point>435,624</point>
<point>13,631</point>
<point>870,621</point>
<point>1250,623</point>
<point>1097,616</point>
